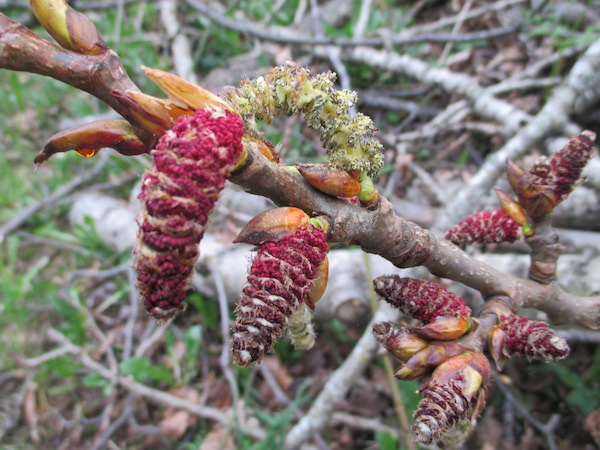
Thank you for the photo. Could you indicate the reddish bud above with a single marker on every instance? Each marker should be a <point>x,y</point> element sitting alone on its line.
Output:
<point>191,163</point>
<point>280,279</point>
<point>319,284</point>
<point>423,300</point>
<point>399,340</point>
<point>443,328</point>
<point>272,225</point>
<point>330,180</point>
<point>87,139</point>
<point>455,393</point>
<point>485,227</point>
<point>532,339</point>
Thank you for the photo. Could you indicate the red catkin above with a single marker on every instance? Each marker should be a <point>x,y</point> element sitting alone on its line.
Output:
<point>485,227</point>
<point>532,338</point>
<point>191,163</point>
<point>423,300</point>
<point>567,164</point>
<point>280,278</point>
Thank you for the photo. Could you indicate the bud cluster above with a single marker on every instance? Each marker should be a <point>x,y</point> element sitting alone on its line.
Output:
<point>290,89</point>
<point>281,278</point>
<point>485,227</point>
<point>550,181</point>
<point>191,163</point>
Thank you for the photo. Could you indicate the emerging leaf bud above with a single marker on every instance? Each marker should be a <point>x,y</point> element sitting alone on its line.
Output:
<point>280,279</point>
<point>191,163</point>
<point>330,180</point>
<point>531,338</point>
<point>272,225</point>
<point>484,227</point>
<point>455,393</point>
<point>71,29</point>
<point>399,340</point>
<point>425,301</point>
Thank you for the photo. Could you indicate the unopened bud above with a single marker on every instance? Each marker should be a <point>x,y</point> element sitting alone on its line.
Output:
<point>443,328</point>
<point>399,340</point>
<point>70,28</point>
<point>497,346</point>
<point>511,207</point>
<point>330,180</point>
<point>87,139</point>
<point>319,284</point>
<point>272,225</point>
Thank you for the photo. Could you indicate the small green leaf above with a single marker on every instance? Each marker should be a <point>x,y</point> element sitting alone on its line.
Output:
<point>386,441</point>
<point>143,370</point>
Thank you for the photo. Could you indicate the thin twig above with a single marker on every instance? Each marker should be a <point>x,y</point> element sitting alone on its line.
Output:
<point>247,27</point>
<point>224,358</point>
<point>133,314</point>
<point>46,203</point>
<point>153,395</point>
<point>546,429</point>
<point>582,86</point>
<point>115,425</point>
<point>338,384</point>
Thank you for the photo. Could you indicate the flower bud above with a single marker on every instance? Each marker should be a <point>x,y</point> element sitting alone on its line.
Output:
<point>455,393</point>
<point>70,28</point>
<point>272,225</point>
<point>330,180</point>
<point>399,340</point>
<point>531,338</point>
<point>87,139</point>
<point>484,227</point>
